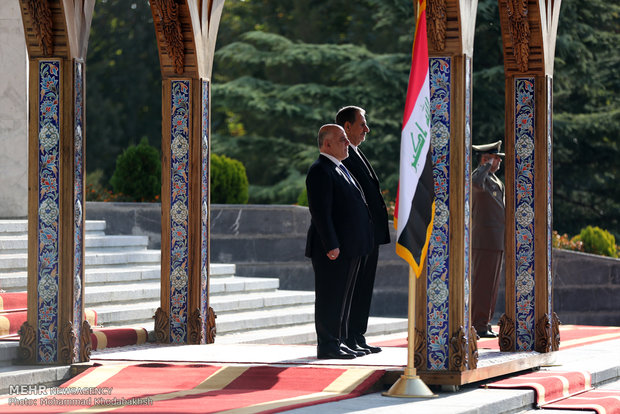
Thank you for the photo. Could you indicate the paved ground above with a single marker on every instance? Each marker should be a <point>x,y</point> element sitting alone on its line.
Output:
<point>602,360</point>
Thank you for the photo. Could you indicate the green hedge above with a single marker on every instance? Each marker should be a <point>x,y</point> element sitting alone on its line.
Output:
<point>597,241</point>
<point>229,182</point>
<point>138,173</point>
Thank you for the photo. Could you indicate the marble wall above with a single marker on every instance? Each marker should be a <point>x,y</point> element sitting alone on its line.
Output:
<point>13,113</point>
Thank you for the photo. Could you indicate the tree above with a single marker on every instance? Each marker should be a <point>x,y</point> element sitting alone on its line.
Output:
<point>123,83</point>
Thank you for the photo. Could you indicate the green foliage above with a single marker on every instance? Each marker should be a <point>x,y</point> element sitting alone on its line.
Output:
<point>138,173</point>
<point>229,183</point>
<point>597,241</point>
<point>302,200</point>
<point>123,82</point>
<point>564,242</point>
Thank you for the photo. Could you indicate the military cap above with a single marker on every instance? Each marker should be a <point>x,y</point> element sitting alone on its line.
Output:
<point>493,148</point>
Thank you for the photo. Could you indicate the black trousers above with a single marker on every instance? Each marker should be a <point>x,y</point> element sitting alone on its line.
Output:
<point>486,266</point>
<point>334,281</point>
<point>362,297</point>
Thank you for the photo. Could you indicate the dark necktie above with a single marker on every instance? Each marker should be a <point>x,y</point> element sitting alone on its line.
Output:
<point>351,180</point>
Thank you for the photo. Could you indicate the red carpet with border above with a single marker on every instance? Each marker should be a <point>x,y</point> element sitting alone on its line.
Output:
<point>571,336</point>
<point>169,388</point>
<point>549,385</point>
<point>602,401</point>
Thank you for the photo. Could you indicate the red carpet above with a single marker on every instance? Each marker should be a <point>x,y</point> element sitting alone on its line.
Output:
<point>167,388</point>
<point>114,337</point>
<point>549,385</point>
<point>571,336</point>
<point>602,401</point>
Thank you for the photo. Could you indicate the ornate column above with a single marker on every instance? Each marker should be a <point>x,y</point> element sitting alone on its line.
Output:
<point>56,37</point>
<point>186,33</point>
<point>445,341</point>
<point>528,34</point>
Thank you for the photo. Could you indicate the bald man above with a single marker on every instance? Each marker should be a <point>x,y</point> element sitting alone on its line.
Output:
<point>340,234</point>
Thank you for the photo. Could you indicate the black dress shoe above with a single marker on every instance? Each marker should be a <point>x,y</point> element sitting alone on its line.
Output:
<point>357,348</point>
<point>486,334</point>
<point>372,349</point>
<point>340,354</point>
<point>348,350</point>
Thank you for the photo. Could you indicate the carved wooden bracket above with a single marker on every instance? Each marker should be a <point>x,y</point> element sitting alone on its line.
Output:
<point>543,334</point>
<point>506,334</point>
<point>195,328</point>
<point>27,338</point>
<point>161,326</point>
<point>473,348</point>
<point>66,344</point>
<point>437,23</point>
<point>419,356</point>
<point>86,345</point>
<point>516,10</point>
<point>42,23</point>
<point>211,330</point>
<point>168,11</point>
<point>458,345</point>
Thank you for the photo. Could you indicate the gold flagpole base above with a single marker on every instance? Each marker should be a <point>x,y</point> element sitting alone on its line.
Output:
<point>409,386</point>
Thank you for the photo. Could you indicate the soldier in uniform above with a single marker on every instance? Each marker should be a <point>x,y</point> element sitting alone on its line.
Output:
<point>488,222</point>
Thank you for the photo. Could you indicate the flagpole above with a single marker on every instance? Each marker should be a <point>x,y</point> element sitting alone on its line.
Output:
<point>409,385</point>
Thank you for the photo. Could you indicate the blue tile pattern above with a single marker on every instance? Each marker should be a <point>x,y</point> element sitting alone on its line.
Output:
<point>524,212</point>
<point>78,201</point>
<point>48,214</point>
<point>204,251</point>
<point>437,289</point>
<point>179,205</point>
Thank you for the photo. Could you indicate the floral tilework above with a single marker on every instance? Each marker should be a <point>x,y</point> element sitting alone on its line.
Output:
<point>78,200</point>
<point>467,175</point>
<point>179,199</point>
<point>48,215</point>
<point>437,259</point>
<point>204,251</point>
<point>524,212</point>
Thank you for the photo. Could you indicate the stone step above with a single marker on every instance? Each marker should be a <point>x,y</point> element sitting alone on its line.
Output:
<point>136,313</point>
<point>17,280</point>
<point>237,284</point>
<point>265,318</point>
<point>19,261</point>
<point>19,244</point>
<point>260,300</point>
<point>31,375</point>
<point>306,333</point>
<point>20,227</point>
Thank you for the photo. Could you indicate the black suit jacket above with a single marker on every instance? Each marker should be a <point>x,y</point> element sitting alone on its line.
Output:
<point>487,210</point>
<point>339,214</point>
<point>361,169</point>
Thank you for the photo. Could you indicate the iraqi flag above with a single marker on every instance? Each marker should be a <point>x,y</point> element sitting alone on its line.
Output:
<point>415,206</point>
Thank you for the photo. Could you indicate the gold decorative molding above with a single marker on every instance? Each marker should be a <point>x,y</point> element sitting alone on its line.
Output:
<point>168,11</point>
<point>42,23</point>
<point>419,355</point>
<point>506,334</point>
<point>195,328</point>
<point>555,332</point>
<point>516,10</point>
<point>86,344</point>
<point>27,339</point>
<point>211,330</point>
<point>161,325</point>
<point>473,348</point>
<point>437,23</point>
<point>66,345</point>
<point>458,345</point>
<point>543,334</point>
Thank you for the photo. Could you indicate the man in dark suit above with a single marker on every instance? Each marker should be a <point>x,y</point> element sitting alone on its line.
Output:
<point>353,120</point>
<point>340,234</point>
<point>487,241</point>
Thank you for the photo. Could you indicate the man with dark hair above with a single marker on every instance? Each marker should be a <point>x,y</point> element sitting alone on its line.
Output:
<point>353,120</point>
<point>340,234</point>
<point>487,236</point>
